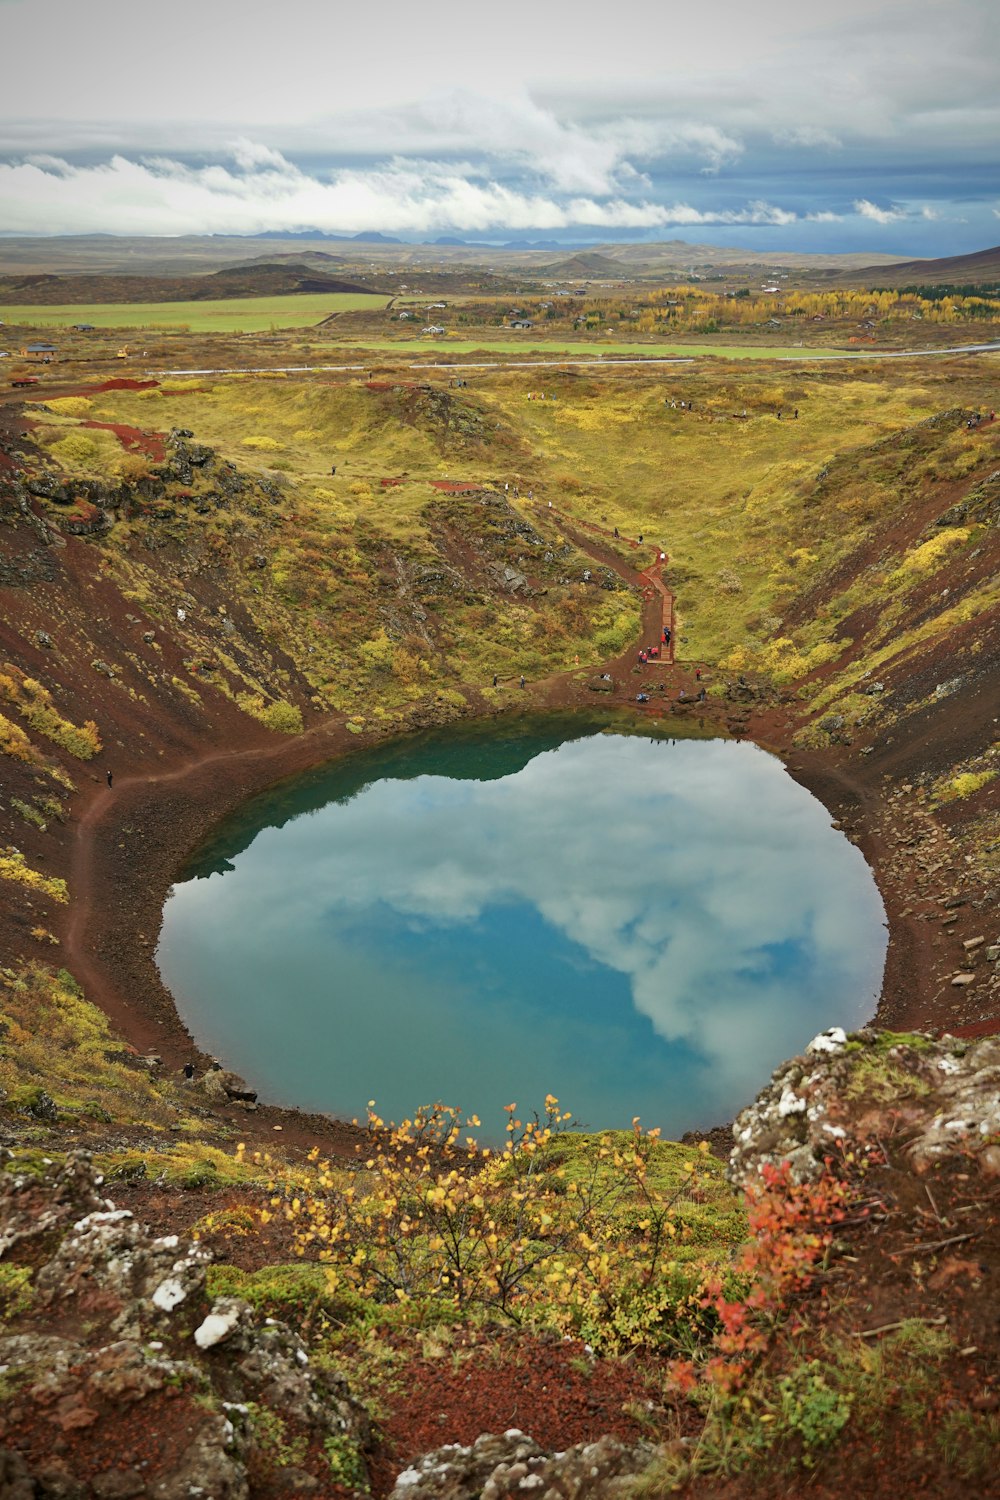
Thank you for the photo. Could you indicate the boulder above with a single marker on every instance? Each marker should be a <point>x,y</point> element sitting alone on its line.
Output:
<point>498,1467</point>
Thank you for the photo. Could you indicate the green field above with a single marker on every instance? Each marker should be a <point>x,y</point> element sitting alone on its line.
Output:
<point>225,315</point>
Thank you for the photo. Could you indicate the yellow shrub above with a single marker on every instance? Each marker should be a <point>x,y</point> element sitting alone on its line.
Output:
<point>14,742</point>
<point>35,703</point>
<point>264,444</point>
<point>13,866</point>
<point>87,452</point>
<point>965,784</point>
<point>928,555</point>
<point>71,406</point>
<point>132,467</point>
<point>279,715</point>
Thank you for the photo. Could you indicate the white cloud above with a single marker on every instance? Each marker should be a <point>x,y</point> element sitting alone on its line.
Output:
<point>808,135</point>
<point>259,189</point>
<point>869,210</point>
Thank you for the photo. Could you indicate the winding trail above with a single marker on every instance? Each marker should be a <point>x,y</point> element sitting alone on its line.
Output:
<point>130,838</point>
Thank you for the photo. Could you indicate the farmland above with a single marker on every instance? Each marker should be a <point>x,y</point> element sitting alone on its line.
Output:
<point>222,315</point>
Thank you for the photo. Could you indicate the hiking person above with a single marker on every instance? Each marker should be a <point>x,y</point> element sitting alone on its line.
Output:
<point>109,778</point>
<point>494,679</point>
<point>334,469</point>
<point>188,1071</point>
<point>616,533</point>
<point>640,538</point>
<point>702,695</point>
<point>522,679</point>
<point>697,674</point>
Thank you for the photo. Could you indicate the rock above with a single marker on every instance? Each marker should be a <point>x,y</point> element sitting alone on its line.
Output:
<point>16,1482</point>
<point>114,1285</point>
<point>118,1484</point>
<point>945,689</point>
<point>953,1108</point>
<point>960,980</point>
<point>833,723</point>
<point>208,1467</point>
<point>500,1467</point>
<point>833,1039</point>
<point>989,1161</point>
<point>993,952</point>
<point>601,685</point>
<point>149,636</point>
<point>103,668</point>
<point>224,1087</point>
<point>220,1323</point>
<point>971,943</point>
<point>44,639</point>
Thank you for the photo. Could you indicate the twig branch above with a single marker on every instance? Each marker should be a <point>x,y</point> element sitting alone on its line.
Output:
<point>956,1239</point>
<point>870,1333</point>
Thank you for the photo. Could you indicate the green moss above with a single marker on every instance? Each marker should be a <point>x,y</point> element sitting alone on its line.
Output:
<point>15,1290</point>
<point>347,1464</point>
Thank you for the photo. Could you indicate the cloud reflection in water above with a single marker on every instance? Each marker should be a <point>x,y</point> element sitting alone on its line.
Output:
<point>679,913</point>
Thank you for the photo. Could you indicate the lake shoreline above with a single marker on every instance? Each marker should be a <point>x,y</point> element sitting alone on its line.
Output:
<point>120,882</point>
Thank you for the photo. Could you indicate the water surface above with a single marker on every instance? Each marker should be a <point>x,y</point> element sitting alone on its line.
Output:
<point>638,925</point>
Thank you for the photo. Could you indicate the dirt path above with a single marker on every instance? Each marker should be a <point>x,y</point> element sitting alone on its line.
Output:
<point>131,838</point>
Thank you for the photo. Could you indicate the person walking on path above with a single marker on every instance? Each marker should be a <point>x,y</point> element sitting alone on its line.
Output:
<point>494,679</point>
<point>522,679</point>
<point>109,778</point>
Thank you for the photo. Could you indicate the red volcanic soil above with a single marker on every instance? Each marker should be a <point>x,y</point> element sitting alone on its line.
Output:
<point>122,383</point>
<point>133,438</point>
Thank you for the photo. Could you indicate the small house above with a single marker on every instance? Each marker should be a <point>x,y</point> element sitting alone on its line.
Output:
<point>432,328</point>
<point>521,323</point>
<point>44,352</point>
<point>83,327</point>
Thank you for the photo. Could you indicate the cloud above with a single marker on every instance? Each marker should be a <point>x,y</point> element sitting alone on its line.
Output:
<point>869,210</point>
<point>808,135</point>
<point>256,188</point>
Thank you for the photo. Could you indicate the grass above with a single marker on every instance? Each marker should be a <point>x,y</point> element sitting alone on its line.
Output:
<point>54,1040</point>
<point>222,315</point>
<point>556,345</point>
<point>339,544</point>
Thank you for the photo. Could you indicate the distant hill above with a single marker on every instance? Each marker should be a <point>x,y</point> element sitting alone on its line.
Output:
<point>589,264</point>
<point>267,279</point>
<point>980,268</point>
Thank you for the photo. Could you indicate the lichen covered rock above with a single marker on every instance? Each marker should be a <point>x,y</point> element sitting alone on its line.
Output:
<point>940,1095</point>
<point>500,1467</point>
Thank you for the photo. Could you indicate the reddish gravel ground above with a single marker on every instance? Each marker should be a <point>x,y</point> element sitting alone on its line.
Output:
<point>134,439</point>
<point>551,1388</point>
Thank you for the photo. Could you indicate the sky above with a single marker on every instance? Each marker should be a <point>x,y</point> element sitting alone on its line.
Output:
<point>868,125</point>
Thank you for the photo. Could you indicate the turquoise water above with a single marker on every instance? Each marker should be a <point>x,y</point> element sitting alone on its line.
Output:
<point>641,926</point>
